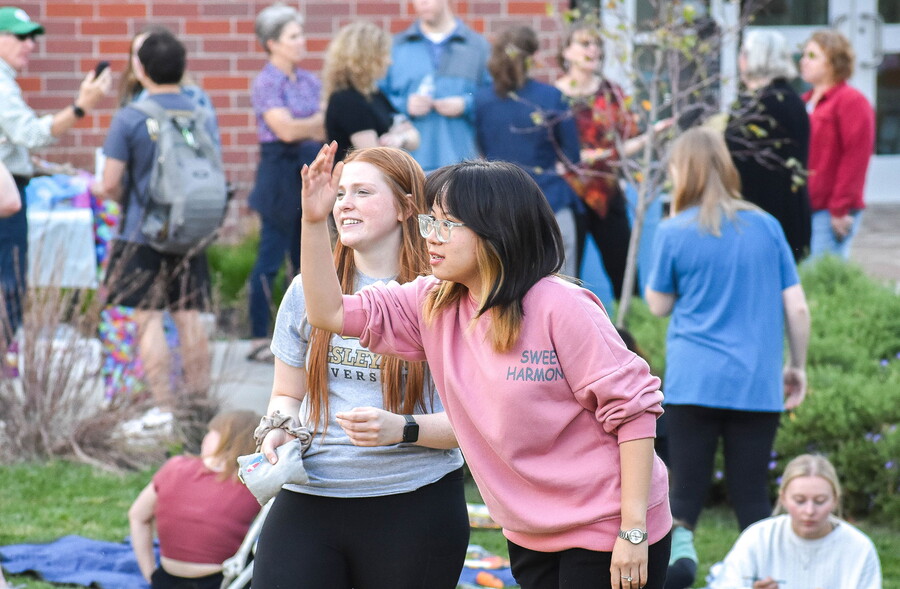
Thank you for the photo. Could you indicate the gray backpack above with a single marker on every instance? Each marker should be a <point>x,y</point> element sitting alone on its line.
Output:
<point>187,193</point>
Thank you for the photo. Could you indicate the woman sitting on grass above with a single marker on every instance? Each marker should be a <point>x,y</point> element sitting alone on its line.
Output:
<point>807,547</point>
<point>200,509</point>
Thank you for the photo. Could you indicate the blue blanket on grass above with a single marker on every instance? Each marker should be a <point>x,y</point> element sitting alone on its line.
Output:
<point>78,561</point>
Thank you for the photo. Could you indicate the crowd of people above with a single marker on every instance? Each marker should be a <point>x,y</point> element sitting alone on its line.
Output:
<point>436,314</point>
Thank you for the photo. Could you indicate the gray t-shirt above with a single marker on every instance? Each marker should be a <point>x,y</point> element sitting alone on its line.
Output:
<point>335,466</point>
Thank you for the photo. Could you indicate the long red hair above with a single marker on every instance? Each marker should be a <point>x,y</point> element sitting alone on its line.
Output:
<point>402,382</point>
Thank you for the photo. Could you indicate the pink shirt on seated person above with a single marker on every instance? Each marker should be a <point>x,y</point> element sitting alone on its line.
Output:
<point>540,425</point>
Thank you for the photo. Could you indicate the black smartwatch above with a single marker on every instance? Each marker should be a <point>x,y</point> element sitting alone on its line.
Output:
<point>78,111</point>
<point>410,430</point>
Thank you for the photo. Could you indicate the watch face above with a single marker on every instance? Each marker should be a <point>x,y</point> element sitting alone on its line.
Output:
<point>635,536</point>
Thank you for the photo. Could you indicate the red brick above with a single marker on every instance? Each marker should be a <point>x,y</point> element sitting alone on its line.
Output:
<point>241,101</point>
<point>68,10</point>
<point>113,47</point>
<point>538,8</point>
<point>487,8</point>
<point>326,10</point>
<point>317,44</point>
<point>229,120</point>
<point>252,64</point>
<point>204,62</point>
<point>65,46</point>
<point>105,27</point>
<point>207,27</point>
<point>245,27</point>
<point>378,9</point>
<point>180,9</point>
<point>29,84</point>
<point>235,157</point>
<point>400,24</point>
<point>59,28</point>
<point>247,138</point>
<point>219,9</point>
<point>228,45</point>
<point>123,10</point>
<point>53,66</point>
<point>62,85</point>
<point>226,83</point>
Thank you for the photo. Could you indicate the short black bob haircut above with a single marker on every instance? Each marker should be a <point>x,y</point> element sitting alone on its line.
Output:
<point>506,208</point>
<point>163,57</point>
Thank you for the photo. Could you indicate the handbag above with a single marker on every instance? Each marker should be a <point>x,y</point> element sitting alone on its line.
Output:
<point>265,479</point>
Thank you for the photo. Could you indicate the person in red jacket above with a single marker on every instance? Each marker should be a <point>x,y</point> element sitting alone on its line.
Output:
<point>842,137</point>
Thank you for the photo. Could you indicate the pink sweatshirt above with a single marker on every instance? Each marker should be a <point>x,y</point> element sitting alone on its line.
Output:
<point>540,425</point>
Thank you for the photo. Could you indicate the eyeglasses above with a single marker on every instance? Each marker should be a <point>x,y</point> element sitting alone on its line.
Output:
<point>441,227</point>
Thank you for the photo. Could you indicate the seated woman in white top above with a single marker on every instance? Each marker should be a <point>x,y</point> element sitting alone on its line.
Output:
<point>809,547</point>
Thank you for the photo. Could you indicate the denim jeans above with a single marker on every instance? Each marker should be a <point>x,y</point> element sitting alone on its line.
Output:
<point>13,265</point>
<point>274,246</point>
<point>823,239</point>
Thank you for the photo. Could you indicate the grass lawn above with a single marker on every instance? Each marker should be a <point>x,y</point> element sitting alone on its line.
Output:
<point>40,503</point>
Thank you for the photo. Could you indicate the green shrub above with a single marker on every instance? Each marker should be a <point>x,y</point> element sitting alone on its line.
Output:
<point>852,409</point>
<point>230,266</point>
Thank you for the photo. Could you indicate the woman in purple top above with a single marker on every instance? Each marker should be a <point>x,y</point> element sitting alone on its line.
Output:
<point>290,127</point>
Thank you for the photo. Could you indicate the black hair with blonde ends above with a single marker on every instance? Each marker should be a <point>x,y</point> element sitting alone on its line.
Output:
<point>519,239</point>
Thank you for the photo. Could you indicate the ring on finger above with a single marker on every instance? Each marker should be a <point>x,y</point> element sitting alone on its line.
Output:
<point>629,579</point>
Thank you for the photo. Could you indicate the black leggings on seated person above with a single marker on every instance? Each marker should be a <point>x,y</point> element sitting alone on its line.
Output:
<point>162,579</point>
<point>413,540</point>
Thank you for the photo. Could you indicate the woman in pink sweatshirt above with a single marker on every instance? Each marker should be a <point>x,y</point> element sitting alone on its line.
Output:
<point>555,416</point>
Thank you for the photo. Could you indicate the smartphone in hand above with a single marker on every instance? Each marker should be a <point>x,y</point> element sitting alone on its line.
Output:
<point>100,67</point>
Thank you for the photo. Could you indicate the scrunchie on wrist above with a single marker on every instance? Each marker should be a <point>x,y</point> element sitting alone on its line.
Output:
<point>279,420</point>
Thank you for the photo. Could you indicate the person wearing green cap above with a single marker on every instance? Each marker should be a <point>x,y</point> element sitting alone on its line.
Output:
<point>22,130</point>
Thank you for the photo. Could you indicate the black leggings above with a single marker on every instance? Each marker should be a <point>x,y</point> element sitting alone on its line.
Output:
<point>578,568</point>
<point>412,540</point>
<point>694,433</point>
<point>161,579</point>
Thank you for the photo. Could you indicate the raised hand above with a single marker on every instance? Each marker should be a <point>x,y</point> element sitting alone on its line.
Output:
<point>320,184</point>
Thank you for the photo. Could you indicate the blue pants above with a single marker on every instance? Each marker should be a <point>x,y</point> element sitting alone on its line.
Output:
<point>13,265</point>
<point>823,239</point>
<point>275,244</point>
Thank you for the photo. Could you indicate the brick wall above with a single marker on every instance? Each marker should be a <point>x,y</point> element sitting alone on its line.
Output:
<point>223,57</point>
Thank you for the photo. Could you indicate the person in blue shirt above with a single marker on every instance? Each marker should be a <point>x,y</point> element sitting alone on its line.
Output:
<point>437,65</point>
<point>528,123</point>
<point>725,272</point>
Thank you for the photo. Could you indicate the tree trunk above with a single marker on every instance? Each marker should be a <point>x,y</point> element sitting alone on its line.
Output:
<point>630,277</point>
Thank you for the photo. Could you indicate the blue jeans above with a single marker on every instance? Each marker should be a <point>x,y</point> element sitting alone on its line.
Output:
<point>13,266</point>
<point>823,239</point>
<point>275,245</point>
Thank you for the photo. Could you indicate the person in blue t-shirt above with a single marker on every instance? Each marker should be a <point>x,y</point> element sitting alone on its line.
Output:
<point>724,270</point>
